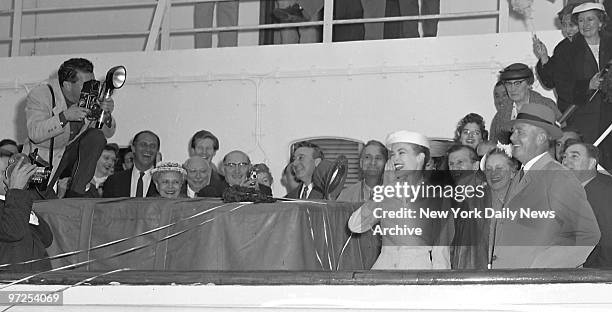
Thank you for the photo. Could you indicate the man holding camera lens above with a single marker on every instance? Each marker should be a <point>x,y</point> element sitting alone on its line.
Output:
<point>23,234</point>
<point>237,171</point>
<point>59,128</point>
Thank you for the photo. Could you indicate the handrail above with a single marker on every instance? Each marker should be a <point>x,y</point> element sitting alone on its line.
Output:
<point>410,277</point>
<point>415,18</point>
<point>104,6</point>
<point>183,31</point>
<point>327,23</point>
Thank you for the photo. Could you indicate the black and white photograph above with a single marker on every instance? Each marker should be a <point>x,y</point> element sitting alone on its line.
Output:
<point>305,155</point>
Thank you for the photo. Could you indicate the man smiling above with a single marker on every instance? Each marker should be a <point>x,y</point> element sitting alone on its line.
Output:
<point>136,182</point>
<point>372,165</point>
<point>582,159</point>
<point>198,175</point>
<point>543,185</point>
<point>236,167</point>
<point>306,157</point>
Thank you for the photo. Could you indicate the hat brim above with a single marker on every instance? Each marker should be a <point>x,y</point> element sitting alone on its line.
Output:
<point>587,6</point>
<point>553,131</point>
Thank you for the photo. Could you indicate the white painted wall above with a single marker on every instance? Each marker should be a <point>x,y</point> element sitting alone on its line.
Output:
<point>361,90</point>
<point>139,19</point>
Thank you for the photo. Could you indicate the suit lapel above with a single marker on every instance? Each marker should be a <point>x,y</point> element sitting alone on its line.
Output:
<point>517,186</point>
<point>126,184</point>
<point>152,190</point>
<point>603,52</point>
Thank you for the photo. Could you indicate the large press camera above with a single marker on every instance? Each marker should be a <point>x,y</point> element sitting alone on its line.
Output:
<point>94,92</point>
<point>41,176</point>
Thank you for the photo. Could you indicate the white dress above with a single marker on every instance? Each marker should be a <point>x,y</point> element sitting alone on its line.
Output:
<point>399,257</point>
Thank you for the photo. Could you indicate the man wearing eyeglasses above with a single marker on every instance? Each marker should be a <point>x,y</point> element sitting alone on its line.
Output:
<point>235,168</point>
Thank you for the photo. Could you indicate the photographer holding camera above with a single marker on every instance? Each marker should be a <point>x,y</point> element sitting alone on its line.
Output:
<point>23,235</point>
<point>59,128</point>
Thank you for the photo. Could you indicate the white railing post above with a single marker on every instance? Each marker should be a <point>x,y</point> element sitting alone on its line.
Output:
<point>328,17</point>
<point>165,28</point>
<point>504,16</point>
<point>158,16</point>
<point>16,33</point>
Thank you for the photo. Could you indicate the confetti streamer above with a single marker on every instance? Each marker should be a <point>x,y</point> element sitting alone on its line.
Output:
<point>524,8</point>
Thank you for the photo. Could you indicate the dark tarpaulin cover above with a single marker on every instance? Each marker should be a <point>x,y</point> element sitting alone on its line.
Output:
<point>233,236</point>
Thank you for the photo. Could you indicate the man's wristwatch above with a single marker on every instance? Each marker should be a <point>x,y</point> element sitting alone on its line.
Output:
<point>62,119</point>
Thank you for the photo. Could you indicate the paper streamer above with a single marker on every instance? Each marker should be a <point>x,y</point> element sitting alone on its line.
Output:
<point>524,8</point>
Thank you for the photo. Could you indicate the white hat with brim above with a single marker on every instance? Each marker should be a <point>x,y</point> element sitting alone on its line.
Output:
<point>587,7</point>
<point>404,136</point>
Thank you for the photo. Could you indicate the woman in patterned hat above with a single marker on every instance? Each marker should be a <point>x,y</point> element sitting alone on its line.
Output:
<point>169,178</point>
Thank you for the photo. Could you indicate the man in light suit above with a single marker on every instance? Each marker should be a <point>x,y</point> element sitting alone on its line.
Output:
<point>582,159</point>
<point>136,182</point>
<point>52,113</point>
<point>555,226</point>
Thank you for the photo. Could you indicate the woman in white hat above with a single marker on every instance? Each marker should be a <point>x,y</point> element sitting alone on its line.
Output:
<point>579,77</point>
<point>547,66</point>
<point>169,178</point>
<point>403,247</point>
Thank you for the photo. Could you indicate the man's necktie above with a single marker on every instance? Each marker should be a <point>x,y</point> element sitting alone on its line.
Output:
<point>514,112</point>
<point>304,194</point>
<point>139,186</point>
<point>521,174</point>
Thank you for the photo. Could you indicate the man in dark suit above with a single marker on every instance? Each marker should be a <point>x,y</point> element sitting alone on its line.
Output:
<point>582,159</point>
<point>23,234</point>
<point>198,175</point>
<point>236,166</point>
<point>553,225</point>
<point>136,182</point>
<point>463,163</point>
<point>306,157</point>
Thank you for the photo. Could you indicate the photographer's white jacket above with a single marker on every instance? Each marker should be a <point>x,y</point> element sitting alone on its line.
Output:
<point>43,124</point>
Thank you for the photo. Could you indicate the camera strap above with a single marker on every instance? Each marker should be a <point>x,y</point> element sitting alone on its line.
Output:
<point>52,139</point>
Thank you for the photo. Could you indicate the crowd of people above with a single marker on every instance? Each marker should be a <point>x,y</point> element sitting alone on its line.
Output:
<point>535,157</point>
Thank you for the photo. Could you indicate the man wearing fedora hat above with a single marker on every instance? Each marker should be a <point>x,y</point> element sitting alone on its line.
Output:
<point>518,79</point>
<point>408,155</point>
<point>554,225</point>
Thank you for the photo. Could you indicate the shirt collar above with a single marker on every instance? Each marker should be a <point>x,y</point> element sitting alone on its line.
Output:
<point>589,180</point>
<point>190,192</point>
<point>136,172</point>
<point>99,181</point>
<point>3,197</point>
<point>530,163</point>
